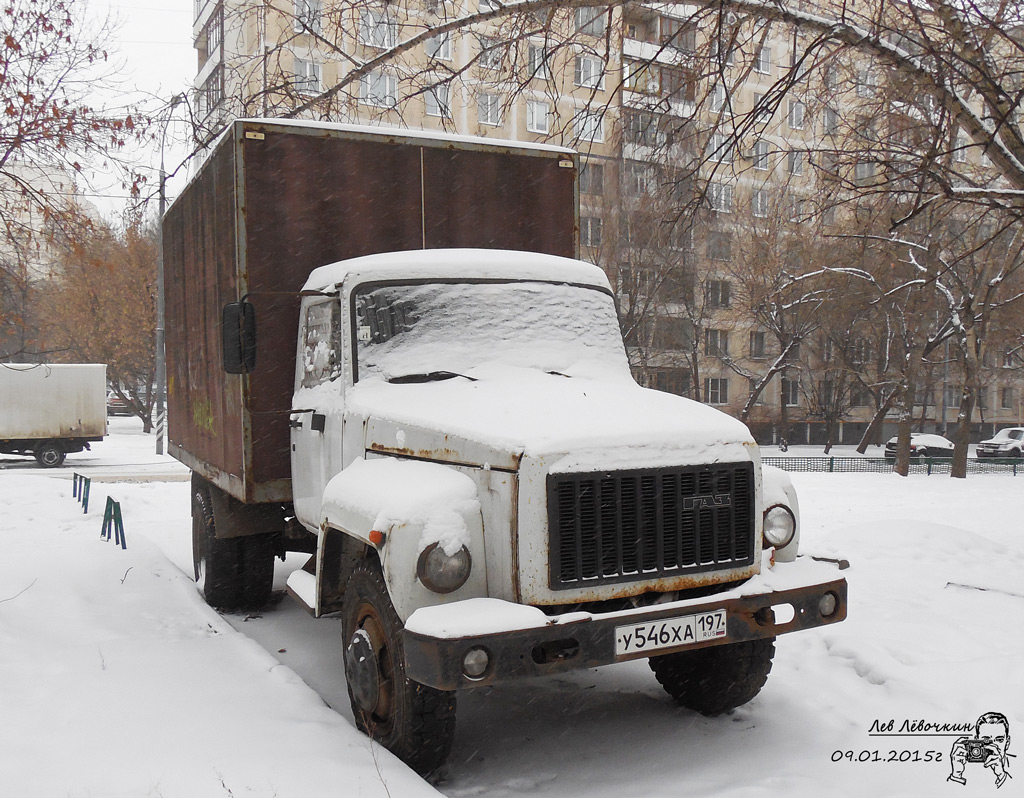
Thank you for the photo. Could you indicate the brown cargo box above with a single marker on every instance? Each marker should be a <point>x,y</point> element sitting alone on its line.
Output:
<point>275,200</point>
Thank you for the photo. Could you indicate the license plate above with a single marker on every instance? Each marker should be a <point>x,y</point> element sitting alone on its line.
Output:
<point>669,633</point>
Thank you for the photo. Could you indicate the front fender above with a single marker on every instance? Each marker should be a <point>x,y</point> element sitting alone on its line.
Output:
<point>778,489</point>
<point>412,504</point>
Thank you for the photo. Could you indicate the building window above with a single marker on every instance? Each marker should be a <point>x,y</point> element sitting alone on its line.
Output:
<point>379,89</point>
<point>307,76</point>
<point>864,171</point>
<point>716,391</point>
<point>212,36</point>
<point>761,155</point>
<point>720,148</point>
<point>211,93</point>
<point>490,53</point>
<point>589,72</point>
<point>795,206</point>
<point>590,231</point>
<point>1006,399</point>
<point>677,85</point>
<point>589,126</point>
<point>488,5</point>
<point>761,108</point>
<point>831,121</point>
<point>795,162</point>
<point>960,148</point>
<point>796,114</point>
<point>726,58</point>
<point>642,128</point>
<point>763,61</point>
<point>538,116</point>
<point>440,47</point>
<point>719,245</point>
<point>759,203</point>
<point>436,100</point>
<point>720,197</point>
<point>307,16</point>
<point>377,29</point>
<point>590,21</point>
<point>865,84</point>
<point>758,349</point>
<point>718,293</point>
<point>860,351</point>
<point>641,76</point>
<point>592,178</point>
<point>639,178</point>
<point>488,109</point>
<point>675,381</point>
<point>678,34</point>
<point>537,61</point>
<point>716,343</point>
<point>790,392</point>
<point>718,98</point>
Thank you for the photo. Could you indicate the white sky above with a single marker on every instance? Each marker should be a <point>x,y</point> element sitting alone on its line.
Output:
<point>153,41</point>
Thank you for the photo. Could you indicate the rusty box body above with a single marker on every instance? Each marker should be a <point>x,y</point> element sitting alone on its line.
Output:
<point>276,199</point>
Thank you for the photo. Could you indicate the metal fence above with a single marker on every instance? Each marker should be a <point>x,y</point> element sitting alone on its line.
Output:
<point>880,465</point>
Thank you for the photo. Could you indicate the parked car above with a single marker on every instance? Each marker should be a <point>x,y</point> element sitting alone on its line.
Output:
<point>1007,442</point>
<point>923,445</point>
<point>116,406</point>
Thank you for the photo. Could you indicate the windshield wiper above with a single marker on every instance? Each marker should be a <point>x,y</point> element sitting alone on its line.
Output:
<point>430,376</point>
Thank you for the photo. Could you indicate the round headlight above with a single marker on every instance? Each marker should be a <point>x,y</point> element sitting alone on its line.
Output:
<point>779,526</point>
<point>443,573</point>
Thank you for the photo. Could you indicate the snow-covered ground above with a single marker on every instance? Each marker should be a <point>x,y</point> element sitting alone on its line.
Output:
<point>116,680</point>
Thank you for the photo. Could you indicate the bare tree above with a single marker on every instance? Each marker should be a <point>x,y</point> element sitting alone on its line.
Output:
<point>102,309</point>
<point>50,65</point>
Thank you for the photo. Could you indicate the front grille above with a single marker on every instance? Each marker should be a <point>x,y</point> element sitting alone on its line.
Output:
<point>625,526</point>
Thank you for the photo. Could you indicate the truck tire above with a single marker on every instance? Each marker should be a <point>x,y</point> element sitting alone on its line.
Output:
<point>413,721</point>
<point>50,454</point>
<point>716,679</point>
<point>232,573</point>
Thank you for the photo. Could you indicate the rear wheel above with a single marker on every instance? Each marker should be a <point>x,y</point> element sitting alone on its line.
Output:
<point>232,573</point>
<point>50,454</point>
<point>413,721</point>
<point>716,679</point>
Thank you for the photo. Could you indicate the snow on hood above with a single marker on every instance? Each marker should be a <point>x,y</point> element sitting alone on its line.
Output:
<point>538,414</point>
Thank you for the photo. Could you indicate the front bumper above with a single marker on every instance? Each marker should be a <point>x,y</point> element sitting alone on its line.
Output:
<point>522,641</point>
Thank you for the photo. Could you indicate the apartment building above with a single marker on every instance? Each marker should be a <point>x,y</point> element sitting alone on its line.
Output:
<point>690,201</point>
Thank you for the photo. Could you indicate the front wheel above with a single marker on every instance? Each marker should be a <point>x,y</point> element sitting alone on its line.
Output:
<point>413,721</point>
<point>50,454</point>
<point>716,679</point>
<point>232,573</point>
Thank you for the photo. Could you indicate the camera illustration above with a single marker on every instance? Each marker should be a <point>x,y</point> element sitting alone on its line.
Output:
<point>978,749</point>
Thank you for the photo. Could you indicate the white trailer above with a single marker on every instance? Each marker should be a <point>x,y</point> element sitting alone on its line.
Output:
<point>48,411</point>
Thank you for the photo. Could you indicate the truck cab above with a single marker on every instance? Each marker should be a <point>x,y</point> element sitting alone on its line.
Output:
<point>493,496</point>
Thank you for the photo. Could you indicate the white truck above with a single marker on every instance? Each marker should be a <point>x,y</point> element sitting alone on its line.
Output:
<point>50,411</point>
<point>484,491</point>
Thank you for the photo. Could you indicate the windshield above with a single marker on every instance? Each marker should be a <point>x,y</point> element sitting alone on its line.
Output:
<point>452,328</point>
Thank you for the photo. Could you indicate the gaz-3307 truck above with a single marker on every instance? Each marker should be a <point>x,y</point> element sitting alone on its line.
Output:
<point>365,365</point>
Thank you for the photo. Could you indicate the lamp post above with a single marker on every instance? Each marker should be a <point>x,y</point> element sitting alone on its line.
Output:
<point>161,362</point>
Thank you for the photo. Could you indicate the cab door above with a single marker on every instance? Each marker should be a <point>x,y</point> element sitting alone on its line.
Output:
<point>317,411</point>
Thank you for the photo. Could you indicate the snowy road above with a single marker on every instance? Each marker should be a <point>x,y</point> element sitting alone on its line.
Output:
<point>115,671</point>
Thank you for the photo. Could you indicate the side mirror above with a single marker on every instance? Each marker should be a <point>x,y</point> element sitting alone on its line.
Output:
<point>238,337</point>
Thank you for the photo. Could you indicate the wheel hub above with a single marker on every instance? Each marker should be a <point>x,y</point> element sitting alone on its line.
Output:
<point>362,670</point>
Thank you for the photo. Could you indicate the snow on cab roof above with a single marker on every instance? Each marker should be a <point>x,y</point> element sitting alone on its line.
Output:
<point>485,264</point>
<point>403,133</point>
